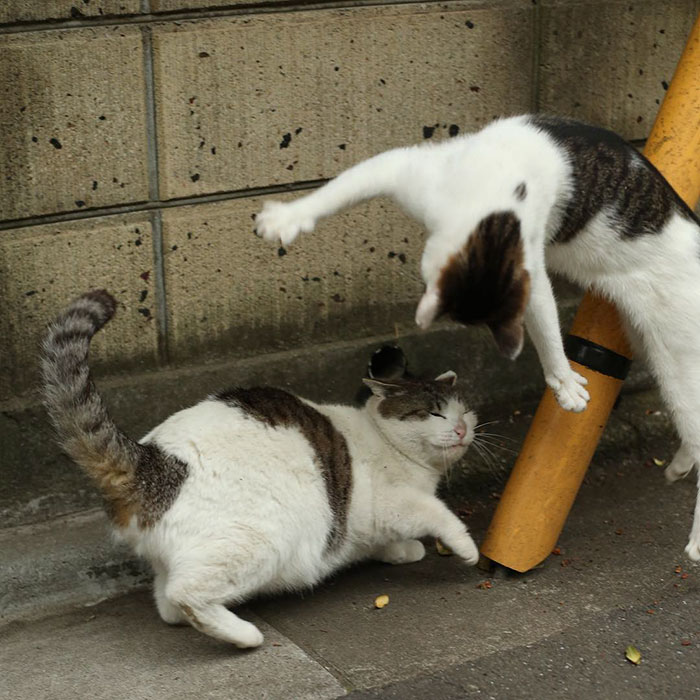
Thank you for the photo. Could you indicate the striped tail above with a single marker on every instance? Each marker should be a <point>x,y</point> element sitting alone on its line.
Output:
<point>85,430</point>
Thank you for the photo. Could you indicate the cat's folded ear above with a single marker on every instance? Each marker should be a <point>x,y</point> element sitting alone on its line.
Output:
<point>383,388</point>
<point>509,336</point>
<point>449,378</point>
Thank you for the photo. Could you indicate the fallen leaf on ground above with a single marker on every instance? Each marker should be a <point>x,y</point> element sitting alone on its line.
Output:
<point>381,600</point>
<point>678,569</point>
<point>685,642</point>
<point>650,611</point>
<point>633,654</point>
<point>659,462</point>
<point>443,550</point>
<point>556,551</point>
<point>484,585</point>
<point>565,562</point>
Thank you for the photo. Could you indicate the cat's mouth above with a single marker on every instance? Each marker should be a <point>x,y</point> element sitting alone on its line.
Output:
<point>455,447</point>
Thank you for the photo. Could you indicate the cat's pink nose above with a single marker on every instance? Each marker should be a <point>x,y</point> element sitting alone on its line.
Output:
<point>461,429</point>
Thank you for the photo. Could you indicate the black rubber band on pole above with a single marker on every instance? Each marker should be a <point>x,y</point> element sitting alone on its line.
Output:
<point>596,357</point>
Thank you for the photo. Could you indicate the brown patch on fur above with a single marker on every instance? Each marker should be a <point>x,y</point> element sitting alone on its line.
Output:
<point>276,407</point>
<point>608,172</point>
<point>111,477</point>
<point>412,399</point>
<point>485,282</point>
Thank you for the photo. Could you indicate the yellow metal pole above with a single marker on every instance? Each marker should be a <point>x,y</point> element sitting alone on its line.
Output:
<point>559,445</point>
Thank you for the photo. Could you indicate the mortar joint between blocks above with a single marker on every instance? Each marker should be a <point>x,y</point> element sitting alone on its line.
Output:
<point>159,282</point>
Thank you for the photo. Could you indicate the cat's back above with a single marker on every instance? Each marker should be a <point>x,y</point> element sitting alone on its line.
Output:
<point>260,456</point>
<point>507,150</point>
<point>609,176</point>
<point>506,165</point>
<point>241,427</point>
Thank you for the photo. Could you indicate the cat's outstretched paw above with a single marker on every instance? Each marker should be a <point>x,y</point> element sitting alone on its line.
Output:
<point>466,550</point>
<point>570,391</point>
<point>693,549</point>
<point>282,222</point>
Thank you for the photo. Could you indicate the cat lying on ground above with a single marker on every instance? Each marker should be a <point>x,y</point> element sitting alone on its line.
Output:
<point>255,490</point>
<point>532,193</point>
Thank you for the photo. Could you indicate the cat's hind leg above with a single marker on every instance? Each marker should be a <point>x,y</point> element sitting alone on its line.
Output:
<point>402,552</point>
<point>201,586</point>
<point>680,465</point>
<point>669,336</point>
<point>680,386</point>
<point>201,602</point>
<point>168,612</point>
<point>693,547</point>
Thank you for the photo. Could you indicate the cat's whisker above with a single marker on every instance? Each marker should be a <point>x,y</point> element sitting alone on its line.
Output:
<point>497,435</point>
<point>493,456</point>
<point>487,459</point>
<point>490,448</point>
<point>498,446</point>
<point>490,422</point>
<point>447,468</point>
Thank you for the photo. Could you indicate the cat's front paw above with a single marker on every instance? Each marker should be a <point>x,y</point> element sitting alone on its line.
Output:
<point>466,549</point>
<point>282,222</point>
<point>405,552</point>
<point>569,390</point>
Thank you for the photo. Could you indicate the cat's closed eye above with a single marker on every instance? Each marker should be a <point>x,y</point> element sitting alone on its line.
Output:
<point>419,413</point>
<point>437,415</point>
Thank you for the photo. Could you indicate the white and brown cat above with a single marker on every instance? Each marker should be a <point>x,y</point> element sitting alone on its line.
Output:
<point>532,193</point>
<point>256,490</point>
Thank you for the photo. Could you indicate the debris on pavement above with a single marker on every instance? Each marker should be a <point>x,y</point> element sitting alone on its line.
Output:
<point>381,601</point>
<point>633,654</point>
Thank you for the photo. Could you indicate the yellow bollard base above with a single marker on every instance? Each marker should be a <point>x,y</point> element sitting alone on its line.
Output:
<point>547,476</point>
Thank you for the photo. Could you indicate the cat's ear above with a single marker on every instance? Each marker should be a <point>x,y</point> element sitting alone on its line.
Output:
<point>449,378</point>
<point>382,388</point>
<point>428,308</point>
<point>509,336</point>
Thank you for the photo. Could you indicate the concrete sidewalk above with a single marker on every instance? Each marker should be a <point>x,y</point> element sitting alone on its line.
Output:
<point>619,578</point>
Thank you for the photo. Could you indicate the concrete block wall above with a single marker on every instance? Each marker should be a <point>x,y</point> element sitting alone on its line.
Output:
<point>137,139</point>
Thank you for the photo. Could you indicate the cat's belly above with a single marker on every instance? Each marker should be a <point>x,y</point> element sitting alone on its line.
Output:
<point>600,258</point>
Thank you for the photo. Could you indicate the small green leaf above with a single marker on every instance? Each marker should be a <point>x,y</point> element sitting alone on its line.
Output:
<point>633,654</point>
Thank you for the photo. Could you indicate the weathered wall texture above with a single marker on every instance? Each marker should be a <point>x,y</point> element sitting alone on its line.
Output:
<point>138,138</point>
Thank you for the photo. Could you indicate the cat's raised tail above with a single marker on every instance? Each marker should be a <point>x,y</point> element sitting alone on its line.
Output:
<point>85,430</point>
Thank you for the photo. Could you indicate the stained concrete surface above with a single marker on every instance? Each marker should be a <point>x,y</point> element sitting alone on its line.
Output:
<point>118,650</point>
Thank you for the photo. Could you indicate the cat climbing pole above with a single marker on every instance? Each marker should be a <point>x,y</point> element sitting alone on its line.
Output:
<point>559,445</point>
